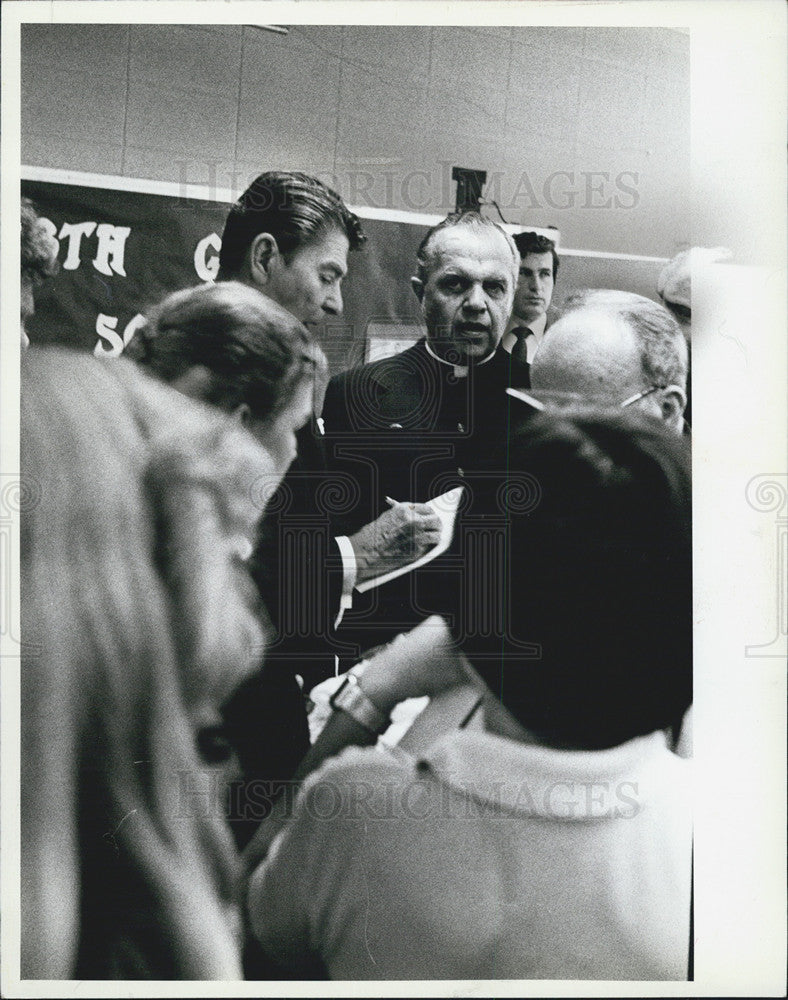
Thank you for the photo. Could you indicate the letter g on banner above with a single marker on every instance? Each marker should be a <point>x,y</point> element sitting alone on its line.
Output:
<point>206,265</point>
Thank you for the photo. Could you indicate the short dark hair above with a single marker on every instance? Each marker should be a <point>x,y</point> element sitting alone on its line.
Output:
<point>663,347</point>
<point>475,219</point>
<point>530,242</point>
<point>255,350</point>
<point>599,565</point>
<point>293,207</point>
<point>37,260</point>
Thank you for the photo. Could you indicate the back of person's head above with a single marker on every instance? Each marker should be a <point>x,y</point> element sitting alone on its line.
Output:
<point>674,284</point>
<point>663,348</point>
<point>293,207</point>
<point>530,242</point>
<point>473,220</point>
<point>599,577</point>
<point>37,244</point>
<point>252,351</point>
<point>38,258</point>
<point>137,623</point>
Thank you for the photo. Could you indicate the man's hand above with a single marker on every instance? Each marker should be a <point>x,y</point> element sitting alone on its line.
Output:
<point>398,537</point>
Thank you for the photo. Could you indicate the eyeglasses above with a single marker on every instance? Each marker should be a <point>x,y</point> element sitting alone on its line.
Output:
<point>641,395</point>
<point>561,400</point>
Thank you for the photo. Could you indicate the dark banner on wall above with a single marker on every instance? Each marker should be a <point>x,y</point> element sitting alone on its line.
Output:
<point>122,251</point>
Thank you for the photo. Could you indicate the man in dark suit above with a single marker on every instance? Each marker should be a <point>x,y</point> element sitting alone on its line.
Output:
<point>410,427</point>
<point>531,312</point>
<point>288,236</point>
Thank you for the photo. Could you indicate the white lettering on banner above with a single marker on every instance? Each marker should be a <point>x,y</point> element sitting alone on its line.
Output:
<point>75,231</point>
<point>106,329</point>
<point>111,242</point>
<point>207,269</point>
<point>111,250</point>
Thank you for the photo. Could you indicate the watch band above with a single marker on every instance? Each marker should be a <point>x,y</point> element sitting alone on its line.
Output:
<point>350,699</point>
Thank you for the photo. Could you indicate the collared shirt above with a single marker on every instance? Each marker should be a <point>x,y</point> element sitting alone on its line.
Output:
<point>460,371</point>
<point>537,328</point>
<point>486,858</point>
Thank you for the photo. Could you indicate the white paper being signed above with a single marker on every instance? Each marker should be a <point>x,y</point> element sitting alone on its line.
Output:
<point>445,506</point>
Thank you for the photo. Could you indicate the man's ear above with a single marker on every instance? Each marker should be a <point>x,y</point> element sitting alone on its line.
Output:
<point>263,252</point>
<point>242,414</point>
<point>418,287</point>
<point>674,402</point>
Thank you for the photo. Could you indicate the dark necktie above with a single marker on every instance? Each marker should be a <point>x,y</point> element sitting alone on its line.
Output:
<point>520,349</point>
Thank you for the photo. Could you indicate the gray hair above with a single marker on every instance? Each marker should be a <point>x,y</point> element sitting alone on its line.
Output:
<point>663,348</point>
<point>424,254</point>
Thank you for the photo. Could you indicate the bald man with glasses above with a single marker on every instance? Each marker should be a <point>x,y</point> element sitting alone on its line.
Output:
<point>614,349</point>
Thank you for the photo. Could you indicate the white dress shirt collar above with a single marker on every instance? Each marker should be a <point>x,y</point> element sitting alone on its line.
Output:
<point>460,371</point>
<point>537,328</point>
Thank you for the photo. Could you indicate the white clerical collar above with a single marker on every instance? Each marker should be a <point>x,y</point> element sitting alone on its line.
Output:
<point>460,371</point>
<point>537,328</point>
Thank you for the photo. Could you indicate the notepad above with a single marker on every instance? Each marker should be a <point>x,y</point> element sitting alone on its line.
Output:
<point>445,506</point>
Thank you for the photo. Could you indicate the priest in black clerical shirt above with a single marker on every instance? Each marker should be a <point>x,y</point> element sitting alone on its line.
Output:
<point>407,429</point>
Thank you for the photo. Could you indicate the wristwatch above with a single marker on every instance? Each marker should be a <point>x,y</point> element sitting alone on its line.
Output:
<point>350,699</point>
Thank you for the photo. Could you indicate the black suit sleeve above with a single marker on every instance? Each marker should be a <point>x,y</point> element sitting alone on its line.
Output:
<point>298,571</point>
